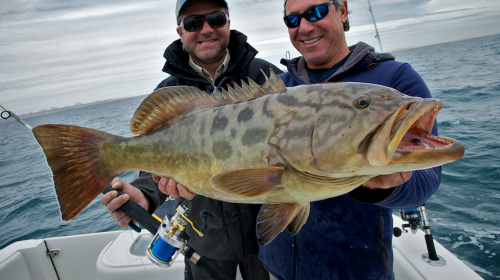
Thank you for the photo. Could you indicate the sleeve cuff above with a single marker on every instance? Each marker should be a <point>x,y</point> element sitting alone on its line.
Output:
<point>150,190</point>
<point>368,196</point>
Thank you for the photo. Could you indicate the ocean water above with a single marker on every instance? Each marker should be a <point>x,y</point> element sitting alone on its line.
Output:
<point>463,212</point>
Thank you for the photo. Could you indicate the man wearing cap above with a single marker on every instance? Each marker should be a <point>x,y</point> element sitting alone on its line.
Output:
<point>209,56</point>
<point>349,236</point>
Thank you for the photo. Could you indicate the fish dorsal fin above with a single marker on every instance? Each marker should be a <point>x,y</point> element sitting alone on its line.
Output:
<point>167,103</point>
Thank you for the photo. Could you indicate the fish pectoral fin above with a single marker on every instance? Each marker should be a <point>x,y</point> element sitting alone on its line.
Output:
<point>248,182</point>
<point>274,218</point>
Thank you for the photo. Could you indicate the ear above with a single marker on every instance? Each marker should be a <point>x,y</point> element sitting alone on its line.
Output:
<point>179,31</point>
<point>343,12</point>
<point>344,16</point>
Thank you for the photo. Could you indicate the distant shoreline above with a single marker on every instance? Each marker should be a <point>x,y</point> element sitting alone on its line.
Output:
<point>55,110</point>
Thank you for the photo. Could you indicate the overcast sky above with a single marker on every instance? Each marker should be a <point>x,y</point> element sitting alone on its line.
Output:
<point>57,53</point>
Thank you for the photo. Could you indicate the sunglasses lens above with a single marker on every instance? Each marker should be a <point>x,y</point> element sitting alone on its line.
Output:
<point>292,21</point>
<point>312,14</point>
<point>195,23</point>
<point>216,19</point>
<point>316,13</point>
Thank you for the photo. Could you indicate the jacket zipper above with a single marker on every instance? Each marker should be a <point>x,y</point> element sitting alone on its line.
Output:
<point>383,248</point>
<point>295,258</point>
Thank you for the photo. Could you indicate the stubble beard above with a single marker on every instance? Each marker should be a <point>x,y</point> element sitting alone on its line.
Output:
<point>210,58</point>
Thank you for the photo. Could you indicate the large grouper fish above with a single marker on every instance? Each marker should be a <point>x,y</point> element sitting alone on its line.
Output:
<point>272,145</point>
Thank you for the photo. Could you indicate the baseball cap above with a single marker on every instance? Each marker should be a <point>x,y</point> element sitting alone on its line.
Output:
<point>181,4</point>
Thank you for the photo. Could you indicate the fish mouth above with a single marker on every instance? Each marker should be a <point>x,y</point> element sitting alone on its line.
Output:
<point>406,138</point>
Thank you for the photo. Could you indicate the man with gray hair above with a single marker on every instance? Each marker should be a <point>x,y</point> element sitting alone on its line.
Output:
<point>208,56</point>
<point>349,236</point>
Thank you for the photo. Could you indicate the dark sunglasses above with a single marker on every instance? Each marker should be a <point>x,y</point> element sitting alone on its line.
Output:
<point>312,14</point>
<point>195,22</point>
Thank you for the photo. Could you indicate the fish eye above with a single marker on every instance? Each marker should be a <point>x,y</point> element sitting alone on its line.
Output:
<point>362,101</point>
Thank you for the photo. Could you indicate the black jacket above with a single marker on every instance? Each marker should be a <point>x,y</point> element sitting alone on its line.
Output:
<point>229,229</point>
<point>243,64</point>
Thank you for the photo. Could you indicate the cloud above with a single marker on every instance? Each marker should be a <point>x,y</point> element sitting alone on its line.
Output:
<point>57,53</point>
<point>80,53</point>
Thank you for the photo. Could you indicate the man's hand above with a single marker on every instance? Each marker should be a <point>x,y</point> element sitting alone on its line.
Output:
<point>112,201</point>
<point>171,187</point>
<point>387,181</point>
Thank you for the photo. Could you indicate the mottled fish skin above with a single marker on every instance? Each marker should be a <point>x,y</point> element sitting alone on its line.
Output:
<point>313,130</point>
<point>282,147</point>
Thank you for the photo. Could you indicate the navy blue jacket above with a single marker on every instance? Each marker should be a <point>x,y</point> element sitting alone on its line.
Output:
<point>350,236</point>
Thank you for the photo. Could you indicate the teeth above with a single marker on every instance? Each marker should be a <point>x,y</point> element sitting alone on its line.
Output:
<point>312,41</point>
<point>207,42</point>
<point>430,113</point>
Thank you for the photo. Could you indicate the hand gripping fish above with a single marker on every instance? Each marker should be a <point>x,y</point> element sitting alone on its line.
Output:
<point>272,145</point>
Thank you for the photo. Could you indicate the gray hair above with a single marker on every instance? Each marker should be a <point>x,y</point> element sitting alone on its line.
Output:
<point>338,4</point>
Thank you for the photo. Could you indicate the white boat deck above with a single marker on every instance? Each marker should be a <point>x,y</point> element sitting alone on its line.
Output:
<point>120,255</point>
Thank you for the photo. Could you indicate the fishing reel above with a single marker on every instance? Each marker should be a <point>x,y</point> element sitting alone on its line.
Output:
<point>412,216</point>
<point>170,239</point>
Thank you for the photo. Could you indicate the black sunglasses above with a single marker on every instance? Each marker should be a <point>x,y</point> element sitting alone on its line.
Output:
<point>195,22</point>
<point>312,14</point>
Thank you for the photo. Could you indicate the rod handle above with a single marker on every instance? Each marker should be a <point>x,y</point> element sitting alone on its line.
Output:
<point>138,213</point>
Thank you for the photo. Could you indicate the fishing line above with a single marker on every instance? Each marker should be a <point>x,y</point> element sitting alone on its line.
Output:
<point>370,24</point>
<point>377,34</point>
<point>107,205</point>
<point>7,114</point>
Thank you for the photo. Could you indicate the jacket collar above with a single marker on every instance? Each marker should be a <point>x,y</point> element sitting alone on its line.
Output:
<point>363,56</point>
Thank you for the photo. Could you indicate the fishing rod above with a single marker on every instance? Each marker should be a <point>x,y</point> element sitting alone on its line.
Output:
<point>377,35</point>
<point>414,217</point>
<point>7,114</point>
<point>170,238</point>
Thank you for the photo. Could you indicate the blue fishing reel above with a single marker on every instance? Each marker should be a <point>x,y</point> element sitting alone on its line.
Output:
<point>412,216</point>
<point>170,239</point>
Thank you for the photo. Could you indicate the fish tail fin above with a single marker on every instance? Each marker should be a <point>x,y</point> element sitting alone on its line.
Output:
<point>79,171</point>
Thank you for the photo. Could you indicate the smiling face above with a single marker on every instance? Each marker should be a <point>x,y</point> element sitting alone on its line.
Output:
<point>207,46</point>
<point>322,43</point>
